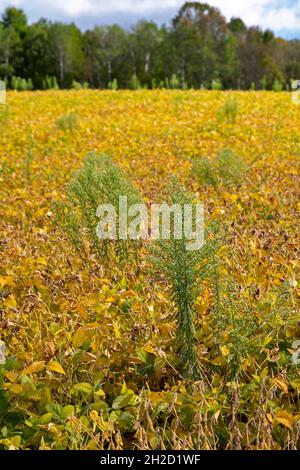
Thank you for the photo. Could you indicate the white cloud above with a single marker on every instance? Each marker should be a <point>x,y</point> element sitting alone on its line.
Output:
<point>83,7</point>
<point>266,13</point>
<point>274,14</point>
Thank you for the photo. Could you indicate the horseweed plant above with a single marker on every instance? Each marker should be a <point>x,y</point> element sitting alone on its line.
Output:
<point>69,122</point>
<point>230,110</point>
<point>100,181</point>
<point>227,169</point>
<point>184,270</point>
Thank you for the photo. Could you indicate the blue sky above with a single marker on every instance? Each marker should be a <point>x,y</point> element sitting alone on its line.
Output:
<point>283,16</point>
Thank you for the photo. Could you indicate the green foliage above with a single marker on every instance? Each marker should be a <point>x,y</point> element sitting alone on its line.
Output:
<point>50,83</point>
<point>236,325</point>
<point>216,85</point>
<point>66,50</point>
<point>100,181</point>
<point>69,122</point>
<point>69,220</point>
<point>15,19</point>
<point>200,47</point>
<point>153,84</point>
<point>227,168</point>
<point>174,82</point>
<point>184,269</point>
<point>230,168</point>
<point>135,84</point>
<point>277,86</point>
<point>264,83</point>
<point>230,110</point>
<point>21,84</point>
<point>203,171</point>
<point>76,85</point>
<point>239,332</point>
<point>79,86</point>
<point>113,85</point>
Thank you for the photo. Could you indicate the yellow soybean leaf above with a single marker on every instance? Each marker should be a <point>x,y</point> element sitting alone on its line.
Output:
<point>285,418</point>
<point>6,281</point>
<point>116,330</point>
<point>35,367</point>
<point>150,349</point>
<point>55,366</point>
<point>82,335</point>
<point>15,388</point>
<point>41,261</point>
<point>11,376</point>
<point>224,351</point>
<point>281,384</point>
<point>11,302</point>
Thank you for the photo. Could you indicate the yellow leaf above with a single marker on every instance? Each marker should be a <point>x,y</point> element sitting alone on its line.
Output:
<point>285,418</point>
<point>128,293</point>
<point>82,335</point>
<point>218,361</point>
<point>281,384</point>
<point>267,341</point>
<point>6,281</point>
<point>42,261</point>
<point>224,351</point>
<point>55,366</point>
<point>11,376</point>
<point>11,302</point>
<point>15,388</point>
<point>37,366</point>
<point>296,384</point>
<point>116,330</point>
<point>150,349</point>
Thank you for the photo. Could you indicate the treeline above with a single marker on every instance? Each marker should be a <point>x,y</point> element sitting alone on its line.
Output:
<point>199,49</point>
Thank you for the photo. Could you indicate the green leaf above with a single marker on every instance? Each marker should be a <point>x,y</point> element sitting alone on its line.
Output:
<point>68,411</point>
<point>82,388</point>
<point>127,398</point>
<point>126,422</point>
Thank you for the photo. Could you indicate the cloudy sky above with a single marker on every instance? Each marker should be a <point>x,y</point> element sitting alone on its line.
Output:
<point>283,16</point>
